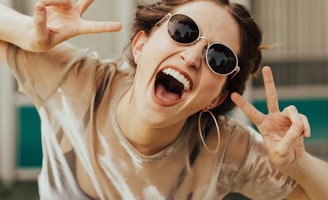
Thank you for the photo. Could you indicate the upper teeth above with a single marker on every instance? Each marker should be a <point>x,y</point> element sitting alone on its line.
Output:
<point>181,78</point>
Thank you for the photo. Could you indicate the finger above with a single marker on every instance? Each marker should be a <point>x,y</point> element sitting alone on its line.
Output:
<point>293,133</point>
<point>64,3</point>
<point>270,90</point>
<point>292,113</point>
<point>83,5</point>
<point>248,109</point>
<point>99,27</point>
<point>307,128</point>
<point>40,22</point>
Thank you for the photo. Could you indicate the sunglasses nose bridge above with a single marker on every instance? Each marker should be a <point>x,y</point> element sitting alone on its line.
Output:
<point>204,38</point>
<point>193,55</point>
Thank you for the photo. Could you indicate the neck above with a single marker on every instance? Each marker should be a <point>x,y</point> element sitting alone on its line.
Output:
<point>146,138</point>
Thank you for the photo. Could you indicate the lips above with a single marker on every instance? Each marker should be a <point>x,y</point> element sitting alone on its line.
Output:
<point>171,86</point>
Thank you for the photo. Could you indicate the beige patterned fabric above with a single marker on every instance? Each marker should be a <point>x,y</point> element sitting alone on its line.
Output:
<point>76,94</point>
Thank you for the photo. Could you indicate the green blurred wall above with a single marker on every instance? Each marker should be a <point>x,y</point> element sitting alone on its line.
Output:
<point>29,152</point>
<point>315,109</point>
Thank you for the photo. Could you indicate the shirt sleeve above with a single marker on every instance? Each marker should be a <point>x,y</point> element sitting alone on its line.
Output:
<point>258,178</point>
<point>39,74</point>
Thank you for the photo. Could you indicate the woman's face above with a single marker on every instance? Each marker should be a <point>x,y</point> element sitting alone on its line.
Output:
<point>154,97</point>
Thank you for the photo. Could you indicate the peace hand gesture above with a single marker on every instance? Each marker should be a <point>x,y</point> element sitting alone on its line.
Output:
<point>282,132</point>
<point>58,20</point>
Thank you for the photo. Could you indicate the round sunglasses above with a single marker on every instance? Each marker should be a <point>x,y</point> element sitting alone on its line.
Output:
<point>183,30</point>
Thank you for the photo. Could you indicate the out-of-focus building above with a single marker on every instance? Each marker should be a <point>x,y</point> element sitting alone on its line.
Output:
<point>297,31</point>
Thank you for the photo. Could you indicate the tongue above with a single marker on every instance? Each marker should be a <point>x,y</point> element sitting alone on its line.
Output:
<point>166,96</point>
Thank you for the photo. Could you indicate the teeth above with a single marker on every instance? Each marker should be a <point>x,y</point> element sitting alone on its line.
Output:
<point>179,77</point>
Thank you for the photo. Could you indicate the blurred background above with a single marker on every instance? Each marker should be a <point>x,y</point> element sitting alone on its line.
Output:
<point>295,29</point>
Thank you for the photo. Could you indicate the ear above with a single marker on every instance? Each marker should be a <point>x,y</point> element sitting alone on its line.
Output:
<point>137,45</point>
<point>218,100</point>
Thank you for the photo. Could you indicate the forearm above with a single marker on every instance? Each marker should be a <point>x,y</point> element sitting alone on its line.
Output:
<point>312,175</point>
<point>14,26</point>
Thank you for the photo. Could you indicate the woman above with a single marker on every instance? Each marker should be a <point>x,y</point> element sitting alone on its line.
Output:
<point>161,132</point>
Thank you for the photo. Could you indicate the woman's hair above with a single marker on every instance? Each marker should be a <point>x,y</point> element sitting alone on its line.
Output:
<point>249,57</point>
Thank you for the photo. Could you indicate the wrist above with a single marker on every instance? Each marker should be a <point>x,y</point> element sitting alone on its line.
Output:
<point>311,174</point>
<point>17,27</point>
<point>299,167</point>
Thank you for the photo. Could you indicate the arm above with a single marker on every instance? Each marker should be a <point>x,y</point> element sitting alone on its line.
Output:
<point>283,134</point>
<point>312,176</point>
<point>54,21</point>
<point>3,49</point>
<point>13,31</point>
<point>7,16</point>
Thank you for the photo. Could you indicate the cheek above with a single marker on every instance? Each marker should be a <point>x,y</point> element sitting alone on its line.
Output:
<point>152,56</point>
<point>159,45</point>
<point>212,84</point>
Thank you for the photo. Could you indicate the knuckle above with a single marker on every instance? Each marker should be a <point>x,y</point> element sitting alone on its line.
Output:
<point>292,108</point>
<point>299,126</point>
<point>304,117</point>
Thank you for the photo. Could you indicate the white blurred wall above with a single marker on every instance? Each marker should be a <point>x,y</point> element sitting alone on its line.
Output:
<point>7,123</point>
<point>106,44</point>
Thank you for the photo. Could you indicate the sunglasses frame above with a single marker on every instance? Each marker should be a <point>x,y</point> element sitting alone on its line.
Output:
<point>169,16</point>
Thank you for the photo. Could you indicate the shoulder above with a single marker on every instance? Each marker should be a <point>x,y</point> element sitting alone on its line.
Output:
<point>236,141</point>
<point>247,167</point>
<point>237,136</point>
<point>3,51</point>
<point>236,129</point>
<point>244,142</point>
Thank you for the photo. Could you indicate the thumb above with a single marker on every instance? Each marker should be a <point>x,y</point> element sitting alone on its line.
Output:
<point>40,22</point>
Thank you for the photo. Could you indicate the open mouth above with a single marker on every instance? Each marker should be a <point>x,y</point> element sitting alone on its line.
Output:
<point>170,86</point>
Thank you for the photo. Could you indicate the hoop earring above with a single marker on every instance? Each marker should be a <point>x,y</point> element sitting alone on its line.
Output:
<point>134,82</point>
<point>201,132</point>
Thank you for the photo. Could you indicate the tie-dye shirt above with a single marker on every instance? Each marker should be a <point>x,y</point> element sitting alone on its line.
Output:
<point>85,154</point>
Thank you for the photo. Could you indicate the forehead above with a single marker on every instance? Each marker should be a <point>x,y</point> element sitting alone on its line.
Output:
<point>214,21</point>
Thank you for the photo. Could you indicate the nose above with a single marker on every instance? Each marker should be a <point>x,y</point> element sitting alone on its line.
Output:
<point>193,55</point>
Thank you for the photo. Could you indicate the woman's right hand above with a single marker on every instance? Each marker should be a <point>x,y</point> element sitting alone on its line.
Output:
<point>58,20</point>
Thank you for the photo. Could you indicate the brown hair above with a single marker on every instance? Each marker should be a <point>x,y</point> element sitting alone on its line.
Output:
<point>249,57</point>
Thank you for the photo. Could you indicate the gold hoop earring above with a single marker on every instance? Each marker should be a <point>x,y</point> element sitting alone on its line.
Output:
<point>134,82</point>
<point>201,132</point>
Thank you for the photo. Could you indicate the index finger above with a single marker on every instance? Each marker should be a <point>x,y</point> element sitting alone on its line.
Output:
<point>250,111</point>
<point>83,5</point>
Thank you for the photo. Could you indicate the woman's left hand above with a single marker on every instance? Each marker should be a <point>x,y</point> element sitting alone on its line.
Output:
<point>283,132</point>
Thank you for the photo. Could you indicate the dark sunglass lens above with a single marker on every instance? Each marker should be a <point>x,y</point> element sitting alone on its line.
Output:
<point>221,59</point>
<point>183,29</point>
